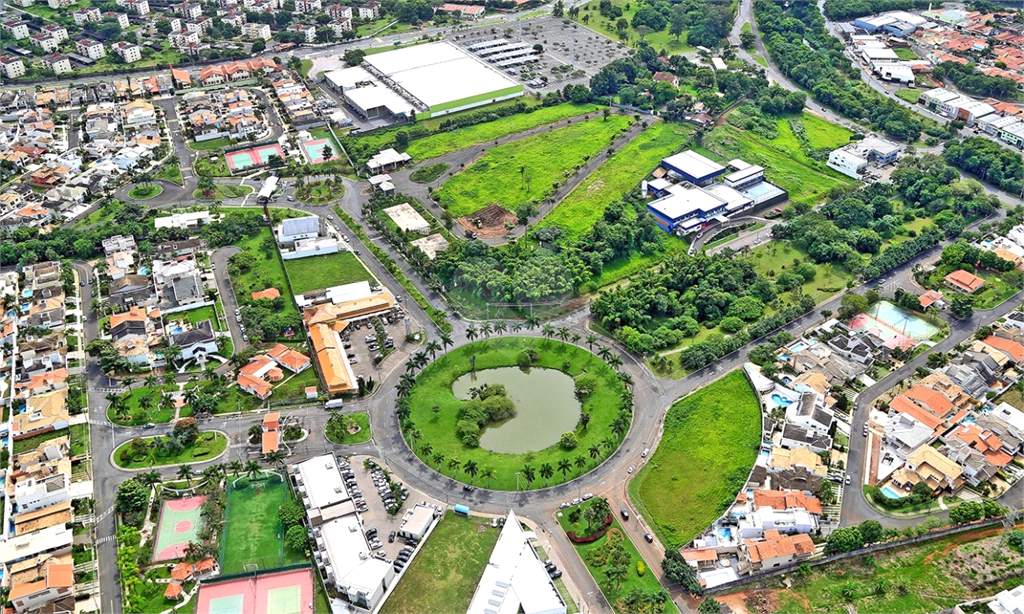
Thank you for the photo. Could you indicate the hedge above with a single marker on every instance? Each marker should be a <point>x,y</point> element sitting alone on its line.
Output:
<point>593,537</point>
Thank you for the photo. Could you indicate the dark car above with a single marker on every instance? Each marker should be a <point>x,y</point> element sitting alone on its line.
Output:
<point>649,538</point>
<point>624,513</point>
<point>391,537</point>
<point>556,574</point>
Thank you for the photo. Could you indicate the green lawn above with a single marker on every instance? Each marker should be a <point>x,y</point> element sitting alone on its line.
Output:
<point>446,142</point>
<point>911,96</point>
<point>434,388</point>
<point>525,170</point>
<point>268,272</point>
<point>905,53</point>
<point>595,557</point>
<point>224,191</point>
<point>217,143</point>
<point>318,272</point>
<point>822,133</point>
<point>30,443</point>
<point>80,443</point>
<point>215,446</point>
<point>774,257</point>
<point>1013,396</point>
<point>207,168</point>
<point>170,172</point>
<point>929,577</point>
<point>621,173</point>
<point>145,192</point>
<point>760,59</point>
<point>137,414</point>
<point>195,316</point>
<point>995,291</point>
<point>444,575</point>
<point>709,445</point>
<point>319,192</point>
<point>657,40</point>
<point>252,529</point>
<point>364,434</point>
<point>295,386</point>
<point>785,163</point>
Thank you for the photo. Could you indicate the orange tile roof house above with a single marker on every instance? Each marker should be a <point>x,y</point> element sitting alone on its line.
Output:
<point>1013,350</point>
<point>296,362</point>
<point>964,282</point>
<point>777,549</point>
<point>929,298</point>
<point>932,400</point>
<point>786,499</point>
<point>270,293</point>
<point>984,441</point>
<point>904,405</point>
<point>271,432</point>
<point>59,583</point>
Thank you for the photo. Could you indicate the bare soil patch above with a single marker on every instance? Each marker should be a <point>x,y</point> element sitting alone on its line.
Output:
<point>489,222</point>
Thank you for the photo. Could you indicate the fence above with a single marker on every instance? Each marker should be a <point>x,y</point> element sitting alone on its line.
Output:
<point>765,575</point>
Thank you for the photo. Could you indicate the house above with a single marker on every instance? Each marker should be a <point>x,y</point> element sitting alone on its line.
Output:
<point>808,413</point>
<point>962,281</point>
<point>56,63</point>
<point>1011,349</point>
<point>129,290</point>
<point>271,439</point>
<point>58,584</point>
<point>368,11</point>
<point>796,468</point>
<point>44,413</point>
<point>776,549</point>
<point>256,376</point>
<point>32,493</point>
<point>700,559</point>
<point>294,361</point>
<point>269,294</point>
<point>927,465</point>
<point>1010,601</point>
<point>786,511</point>
<point>308,33</point>
<point>931,297</point>
<point>197,342</point>
<point>257,31</point>
<point>984,441</point>
<point>17,29</point>
<point>794,435</point>
<point>293,229</point>
<point>941,382</point>
<point>84,16</point>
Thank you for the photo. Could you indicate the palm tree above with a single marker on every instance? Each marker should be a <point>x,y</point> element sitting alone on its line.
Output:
<point>471,468</point>
<point>235,467</point>
<point>500,327</point>
<point>438,459</point>
<point>532,322</point>
<point>414,436</point>
<point>276,458</point>
<point>426,450</point>
<point>517,327</point>
<point>591,340</point>
<point>186,473</point>
<point>615,361</point>
<point>420,358</point>
<point>576,338</point>
<point>471,332</point>
<point>546,472</point>
<point>253,469</point>
<point>488,473</point>
<point>616,573</point>
<point>150,478</point>
<point>620,425</point>
<point>595,453</point>
<point>564,466</point>
<point>212,474</point>
<point>580,462</point>
<point>446,340</point>
<point>485,329</point>
<point>453,464</point>
<point>626,379</point>
<point>563,333</point>
<point>548,331</point>
<point>584,420</point>
<point>529,475</point>
<point>604,352</point>
<point>410,365</point>
<point>169,378</point>
<point>433,347</point>
<point>150,380</point>
<point>127,382</point>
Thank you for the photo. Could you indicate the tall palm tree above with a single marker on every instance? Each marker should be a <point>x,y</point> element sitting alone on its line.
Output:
<point>127,382</point>
<point>615,361</point>
<point>438,459</point>
<point>169,378</point>
<point>580,462</point>
<point>517,327</point>
<point>563,333</point>
<point>276,458</point>
<point>150,478</point>
<point>532,322</point>
<point>150,380</point>
<point>471,332</point>
<point>548,331</point>
<point>253,469</point>
<point>595,453</point>
<point>426,450</point>
<point>453,464</point>
<point>576,338</point>
<point>546,472</point>
<point>212,474</point>
<point>414,436</point>
<point>236,467</point>
<point>446,340</point>
<point>186,473</point>
<point>488,473</point>
<point>471,468</point>
<point>485,329</point>
<point>626,379</point>
<point>529,475</point>
<point>433,347</point>
<point>500,327</point>
<point>564,466</point>
<point>591,340</point>
<point>604,352</point>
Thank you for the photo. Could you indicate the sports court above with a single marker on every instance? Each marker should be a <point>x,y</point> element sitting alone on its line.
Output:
<point>314,151</point>
<point>256,156</point>
<point>284,592</point>
<point>180,521</point>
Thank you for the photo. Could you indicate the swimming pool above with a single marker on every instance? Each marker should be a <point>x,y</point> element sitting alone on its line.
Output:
<point>781,401</point>
<point>176,330</point>
<point>968,420</point>
<point>896,327</point>
<point>799,345</point>
<point>724,534</point>
<point>890,493</point>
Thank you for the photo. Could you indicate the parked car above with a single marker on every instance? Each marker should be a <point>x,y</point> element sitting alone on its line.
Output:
<point>624,514</point>
<point>848,480</point>
<point>391,537</point>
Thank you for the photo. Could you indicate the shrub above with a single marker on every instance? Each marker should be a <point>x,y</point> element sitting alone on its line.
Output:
<point>241,484</point>
<point>568,441</point>
<point>641,569</point>
<point>527,357</point>
<point>198,452</point>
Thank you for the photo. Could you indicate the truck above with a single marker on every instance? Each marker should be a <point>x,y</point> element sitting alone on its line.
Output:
<point>462,510</point>
<point>334,404</point>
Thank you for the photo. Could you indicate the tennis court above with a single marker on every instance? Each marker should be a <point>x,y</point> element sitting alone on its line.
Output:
<point>314,150</point>
<point>284,592</point>
<point>256,156</point>
<point>180,521</point>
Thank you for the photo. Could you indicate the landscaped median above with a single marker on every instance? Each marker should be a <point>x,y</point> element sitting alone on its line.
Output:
<point>145,191</point>
<point>707,450</point>
<point>530,412</point>
<point>348,429</point>
<point>186,444</point>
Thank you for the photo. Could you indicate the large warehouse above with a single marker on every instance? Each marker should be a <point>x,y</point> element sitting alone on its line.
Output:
<point>421,81</point>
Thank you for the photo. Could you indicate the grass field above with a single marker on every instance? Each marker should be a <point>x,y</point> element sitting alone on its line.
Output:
<point>195,316</point>
<point>785,163</point>
<point>500,175</point>
<point>446,142</point>
<point>217,143</point>
<point>30,443</point>
<point>216,445</point>
<point>777,256</point>
<point>318,272</point>
<point>223,191</point>
<point>911,96</point>
<point>268,272</point>
<point>905,53</point>
<point>170,172</point>
<point>657,40</point>
<point>929,577</point>
<point>207,168</point>
<point>294,387</point>
<point>591,555</point>
<point>434,388</point>
<point>709,446</point>
<point>622,172</point>
<point>137,413</point>
<point>252,530</point>
<point>445,573</point>
<point>145,192</point>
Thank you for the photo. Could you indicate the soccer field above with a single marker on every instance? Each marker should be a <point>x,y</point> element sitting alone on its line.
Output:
<point>252,529</point>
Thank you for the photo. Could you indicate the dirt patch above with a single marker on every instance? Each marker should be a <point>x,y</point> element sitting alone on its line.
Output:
<point>982,563</point>
<point>962,538</point>
<point>489,222</point>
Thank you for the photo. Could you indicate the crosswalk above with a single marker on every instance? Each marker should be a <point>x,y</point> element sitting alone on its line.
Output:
<point>103,540</point>
<point>105,513</point>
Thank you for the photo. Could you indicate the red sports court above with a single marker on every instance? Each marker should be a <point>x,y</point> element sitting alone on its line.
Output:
<point>283,592</point>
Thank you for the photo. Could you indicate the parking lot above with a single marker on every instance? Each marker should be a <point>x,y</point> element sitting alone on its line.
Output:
<point>572,53</point>
<point>367,341</point>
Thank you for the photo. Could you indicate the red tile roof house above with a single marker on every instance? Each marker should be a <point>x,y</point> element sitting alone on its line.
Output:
<point>964,282</point>
<point>271,432</point>
<point>929,298</point>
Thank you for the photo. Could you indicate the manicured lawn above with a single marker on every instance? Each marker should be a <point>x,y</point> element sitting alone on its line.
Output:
<point>595,556</point>
<point>217,143</point>
<point>170,172</point>
<point>446,142</point>
<point>318,272</point>
<point>428,173</point>
<point>905,53</point>
<point>295,386</point>
<point>267,273</point>
<point>153,594</point>
<point>207,168</point>
<point>80,443</point>
<point>444,575</point>
<point>911,96</point>
<point>778,256</point>
<point>515,173</point>
<point>657,40</point>
<point>995,291</point>
<point>585,205</point>
<point>364,434</point>
<point>252,529</point>
<point>319,192</point>
<point>783,158</point>
<point>145,192</point>
<point>434,388</point>
<point>709,445</point>
<point>215,445</point>
<point>223,191</point>
<point>136,414</point>
<point>928,577</point>
<point>195,316</point>
<point>30,443</point>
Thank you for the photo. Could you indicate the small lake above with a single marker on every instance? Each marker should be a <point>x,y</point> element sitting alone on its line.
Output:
<point>546,407</point>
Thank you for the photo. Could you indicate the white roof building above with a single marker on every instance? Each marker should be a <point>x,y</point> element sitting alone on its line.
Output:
<point>515,579</point>
<point>416,521</point>
<point>322,485</point>
<point>1008,602</point>
<point>1010,415</point>
<point>407,218</point>
<point>183,220</point>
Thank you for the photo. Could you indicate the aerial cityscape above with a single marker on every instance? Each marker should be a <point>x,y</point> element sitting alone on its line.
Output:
<point>518,307</point>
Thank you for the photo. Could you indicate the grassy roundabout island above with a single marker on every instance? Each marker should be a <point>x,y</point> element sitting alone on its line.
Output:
<point>477,416</point>
<point>184,445</point>
<point>145,191</point>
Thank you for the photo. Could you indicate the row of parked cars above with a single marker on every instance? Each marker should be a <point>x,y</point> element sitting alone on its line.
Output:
<point>353,488</point>
<point>576,501</point>
<point>384,487</point>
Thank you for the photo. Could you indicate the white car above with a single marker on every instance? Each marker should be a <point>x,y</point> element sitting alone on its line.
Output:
<point>587,496</point>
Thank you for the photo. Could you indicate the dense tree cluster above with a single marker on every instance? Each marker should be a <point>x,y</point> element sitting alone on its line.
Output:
<point>972,81</point>
<point>988,160</point>
<point>488,404</point>
<point>845,10</point>
<point>804,50</point>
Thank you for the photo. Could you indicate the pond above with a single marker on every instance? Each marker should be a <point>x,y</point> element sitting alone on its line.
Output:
<point>546,407</point>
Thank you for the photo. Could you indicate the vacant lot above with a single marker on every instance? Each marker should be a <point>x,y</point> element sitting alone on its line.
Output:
<point>621,173</point>
<point>445,142</point>
<point>709,446</point>
<point>252,529</point>
<point>929,577</point>
<point>528,170</point>
<point>590,17</point>
<point>268,271</point>
<point>318,272</point>
<point>774,257</point>
<point>444,575</point>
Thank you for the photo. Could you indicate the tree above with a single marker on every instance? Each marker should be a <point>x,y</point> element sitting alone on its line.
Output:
<point>471,468</point>
<point>185,472</point>
<point>871,531</point>
<point>843,539</point>
<point>354,57</point>
<point>291,514</point>
<point>747,39</point>
<point>546,472</point>
<point>961,306</point>
<point>253,469</point>
<point>596,514</point>
<point>677,570</point>
<point>710,606</point>
<point>132,497</point>
<point>968,511</point>
<point>677,21</point>
<point>852,304</point>
<point>296,538</point>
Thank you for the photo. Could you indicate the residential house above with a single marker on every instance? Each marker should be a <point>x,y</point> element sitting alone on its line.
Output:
<point>59,584</point>
<point>775,549</point>
<point>809,414</point>
<point>794,435</point>
<point>17,29</point>
<point>127,51</point>
<point>130,290</point>
<point>44,413</point>
<point>929,466</point>
<point>786,511</point>
<point>271,439</point>
<point>84,16</point>
<point>293,229</point>
<point>796,468</point>
<point>1013,351</point>
<point>197,342</point>
<point>941,382</point>
<point>962,281</point>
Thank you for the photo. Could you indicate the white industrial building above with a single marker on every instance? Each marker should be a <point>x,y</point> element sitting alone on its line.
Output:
<point>515,580</point>
<point>417,521</point>
<point>851,160</point>
<point>408,219</point>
